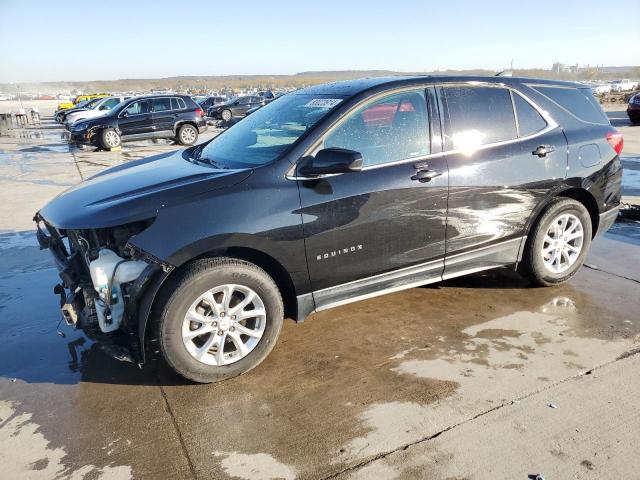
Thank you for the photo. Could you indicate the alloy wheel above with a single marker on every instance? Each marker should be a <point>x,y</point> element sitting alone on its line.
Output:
<point>111,139</point>
<point>224,324</point>
<point>562,243</point>
<point>188,135</point>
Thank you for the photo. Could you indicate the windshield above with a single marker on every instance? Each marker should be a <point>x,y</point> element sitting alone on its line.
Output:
<point>94,102</point>
<point>267,133</point>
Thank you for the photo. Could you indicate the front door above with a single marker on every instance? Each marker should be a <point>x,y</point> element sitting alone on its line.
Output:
<point>496,181</point>
<point>380,228</point>
<point>136,119</point>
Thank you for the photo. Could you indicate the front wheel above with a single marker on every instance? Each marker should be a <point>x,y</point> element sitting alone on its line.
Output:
<point>218,318</point>
<point>558,243</point>
<point>187,134</point>
<point>109,139</point>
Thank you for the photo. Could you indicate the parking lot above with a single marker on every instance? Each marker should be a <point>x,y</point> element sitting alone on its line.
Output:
<point>478,377</point>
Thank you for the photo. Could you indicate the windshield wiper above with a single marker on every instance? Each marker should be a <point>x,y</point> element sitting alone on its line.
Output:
<point>196,155</point>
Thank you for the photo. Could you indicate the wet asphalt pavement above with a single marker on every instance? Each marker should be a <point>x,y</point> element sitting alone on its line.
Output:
<point>445,381</point>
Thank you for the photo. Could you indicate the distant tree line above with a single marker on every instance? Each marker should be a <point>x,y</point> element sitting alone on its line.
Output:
<point>239,82</point>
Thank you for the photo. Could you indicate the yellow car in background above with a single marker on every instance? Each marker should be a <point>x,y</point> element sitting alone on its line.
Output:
<point>80,98</point>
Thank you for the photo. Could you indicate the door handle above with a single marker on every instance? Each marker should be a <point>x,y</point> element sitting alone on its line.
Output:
<point>425,175</point>
<point>542,150</point>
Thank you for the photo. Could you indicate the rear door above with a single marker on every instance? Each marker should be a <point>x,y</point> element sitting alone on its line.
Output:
<point>136,119</point>
<point>495,178</point>
<point>241,106</point>
<point>380,228</point>
<point>163,115</point>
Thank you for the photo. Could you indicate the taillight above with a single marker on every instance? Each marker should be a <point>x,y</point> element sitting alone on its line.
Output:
<point>199,112</point>
<point>616,141</point>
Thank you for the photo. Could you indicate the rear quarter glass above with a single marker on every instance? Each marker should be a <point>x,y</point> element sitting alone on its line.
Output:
<point>579,102</point>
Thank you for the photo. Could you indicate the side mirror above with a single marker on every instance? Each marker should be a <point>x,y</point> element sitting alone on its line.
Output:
<point>102,107</point>
<point>237,102</point>
<point>331,161</point>
<point>125,114</point>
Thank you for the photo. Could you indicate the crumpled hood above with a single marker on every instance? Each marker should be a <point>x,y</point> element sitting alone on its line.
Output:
<point>135,191</point>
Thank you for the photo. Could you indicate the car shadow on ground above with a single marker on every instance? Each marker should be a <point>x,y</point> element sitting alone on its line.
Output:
<point>72,358</point>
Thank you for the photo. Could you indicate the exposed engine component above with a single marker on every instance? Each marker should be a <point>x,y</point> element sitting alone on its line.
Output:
<point>108,272</point>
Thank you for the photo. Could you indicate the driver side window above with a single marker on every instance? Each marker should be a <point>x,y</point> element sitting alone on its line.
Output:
<point>392,128</point>
<point>138,107</point>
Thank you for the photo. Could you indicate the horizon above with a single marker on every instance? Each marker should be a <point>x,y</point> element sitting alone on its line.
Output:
<point>62,42</point>
<point>331,75</point>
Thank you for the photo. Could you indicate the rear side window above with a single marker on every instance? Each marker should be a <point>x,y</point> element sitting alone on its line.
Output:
<point>479,116</point>
<point>395,127</point>
<point>529,120</point>
<point>161,104</point>
<point>181,103</point>
<point>577,101</point>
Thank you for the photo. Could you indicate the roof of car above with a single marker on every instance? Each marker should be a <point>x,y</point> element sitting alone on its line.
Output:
<point>353,87</point>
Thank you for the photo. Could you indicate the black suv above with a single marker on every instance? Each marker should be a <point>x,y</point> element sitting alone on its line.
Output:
<point>159,116</point>
<point>236,107</point>
<point>211,102</point>
<point>328,195</point>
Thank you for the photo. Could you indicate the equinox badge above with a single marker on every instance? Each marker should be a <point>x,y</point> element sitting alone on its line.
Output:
<point>339,252</point>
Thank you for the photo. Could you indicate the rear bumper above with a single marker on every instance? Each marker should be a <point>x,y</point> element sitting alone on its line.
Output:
<point>607,219</point>
<point>202,127</point>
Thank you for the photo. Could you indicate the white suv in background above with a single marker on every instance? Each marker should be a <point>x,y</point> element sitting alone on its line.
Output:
<point>100,108</point>
<point>622,85</point>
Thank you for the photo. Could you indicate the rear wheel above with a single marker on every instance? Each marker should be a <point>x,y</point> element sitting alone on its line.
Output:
<point>187,134</point>
<point>219,318</point>
<point>109,138</point>
<point>226,115</point>
<point>558,243</point>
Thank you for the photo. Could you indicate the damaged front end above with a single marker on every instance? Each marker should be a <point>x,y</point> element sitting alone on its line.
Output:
<point>103,281</point>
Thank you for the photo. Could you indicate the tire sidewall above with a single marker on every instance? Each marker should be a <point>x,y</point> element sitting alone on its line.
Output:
<point>537,263</point>
<point>184,127</point>
<point>173,348</point>
<point>103,142</point>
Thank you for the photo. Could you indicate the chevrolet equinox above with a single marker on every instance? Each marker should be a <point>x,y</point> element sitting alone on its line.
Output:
<point>331,194</point>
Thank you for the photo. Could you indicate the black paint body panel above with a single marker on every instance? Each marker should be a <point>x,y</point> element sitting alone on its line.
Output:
<point>355,234</point>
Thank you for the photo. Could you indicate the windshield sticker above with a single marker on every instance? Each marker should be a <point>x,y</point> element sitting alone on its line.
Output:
<point>323,102</point>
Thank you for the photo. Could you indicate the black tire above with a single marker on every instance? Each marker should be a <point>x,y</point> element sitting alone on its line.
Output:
<point>182,290</point>
<point>187,134</point>
<point>109,138</point>
<point>226,115</point>
<point>533,266</point>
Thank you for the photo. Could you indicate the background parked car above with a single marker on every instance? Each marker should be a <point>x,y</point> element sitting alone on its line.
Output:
<point>100,108</point>
<point>80,98</point>
<point>601,89</point>
<point>61,116</point>
<point>211,101</point>
<point>633,109</point>
<point>159,116</point>
<point>236,107</point>
<point>622,85</point>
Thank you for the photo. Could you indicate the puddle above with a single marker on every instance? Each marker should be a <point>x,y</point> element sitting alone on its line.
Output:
<point>57,148</point>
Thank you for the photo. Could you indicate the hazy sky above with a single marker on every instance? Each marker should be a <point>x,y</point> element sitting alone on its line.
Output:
<point>91,40</point>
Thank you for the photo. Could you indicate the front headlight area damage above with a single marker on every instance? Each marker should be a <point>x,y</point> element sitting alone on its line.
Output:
<point>103,279</point>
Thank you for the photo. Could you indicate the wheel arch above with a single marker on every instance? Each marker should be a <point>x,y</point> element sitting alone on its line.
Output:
<point>579,194</point>
<point>263,260</point>
<point>588,200</point>
<point>180,123</point>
